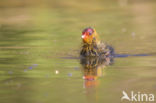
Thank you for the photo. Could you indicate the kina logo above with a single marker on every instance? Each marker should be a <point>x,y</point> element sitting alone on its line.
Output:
<point>137,97</point>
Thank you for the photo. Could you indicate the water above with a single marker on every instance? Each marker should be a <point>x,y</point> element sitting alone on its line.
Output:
<point>37,37</point>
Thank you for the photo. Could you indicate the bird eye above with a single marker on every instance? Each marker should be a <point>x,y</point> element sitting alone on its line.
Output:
<point>90,33</point>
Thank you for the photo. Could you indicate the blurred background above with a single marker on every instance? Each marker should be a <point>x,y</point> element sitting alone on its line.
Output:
<point>40,40</point>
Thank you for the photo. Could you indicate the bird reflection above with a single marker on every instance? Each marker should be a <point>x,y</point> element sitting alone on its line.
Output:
<point>92,68</point>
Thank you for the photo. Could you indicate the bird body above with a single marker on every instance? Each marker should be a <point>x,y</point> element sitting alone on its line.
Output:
<point>92,47</point>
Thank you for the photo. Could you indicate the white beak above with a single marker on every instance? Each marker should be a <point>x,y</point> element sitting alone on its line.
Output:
<point>83,36</point>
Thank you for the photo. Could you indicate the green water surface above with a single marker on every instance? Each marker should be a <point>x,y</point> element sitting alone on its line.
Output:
<point>38,36</point>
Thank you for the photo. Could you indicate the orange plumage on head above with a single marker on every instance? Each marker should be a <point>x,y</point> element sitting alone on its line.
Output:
<point>96,36</point>
<point>89,36</point>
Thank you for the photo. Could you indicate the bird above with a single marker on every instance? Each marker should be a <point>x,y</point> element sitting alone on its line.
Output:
<point>93,47</point>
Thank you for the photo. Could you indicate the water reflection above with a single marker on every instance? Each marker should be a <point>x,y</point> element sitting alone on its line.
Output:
<point>93,68</point>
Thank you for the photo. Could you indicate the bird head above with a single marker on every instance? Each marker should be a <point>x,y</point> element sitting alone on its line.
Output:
<point>89,35</point>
